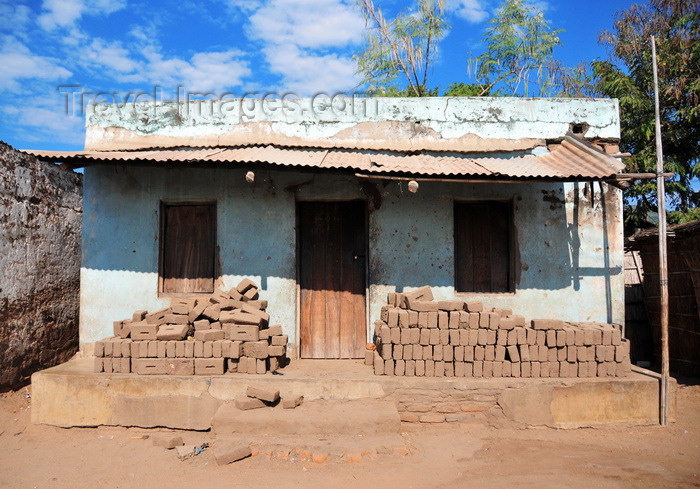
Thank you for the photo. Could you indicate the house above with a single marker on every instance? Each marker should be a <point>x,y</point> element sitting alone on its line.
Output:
<point>329,204</point>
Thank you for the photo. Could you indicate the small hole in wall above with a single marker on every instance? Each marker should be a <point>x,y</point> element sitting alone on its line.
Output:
<point>578,128</point>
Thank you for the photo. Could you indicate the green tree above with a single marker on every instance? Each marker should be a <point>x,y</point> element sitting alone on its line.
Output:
<point>627,76</point>
<point>518,55</point>
<point>403,48</point>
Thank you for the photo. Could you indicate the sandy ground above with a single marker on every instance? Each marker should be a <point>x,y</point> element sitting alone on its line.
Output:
<point>446,456</point>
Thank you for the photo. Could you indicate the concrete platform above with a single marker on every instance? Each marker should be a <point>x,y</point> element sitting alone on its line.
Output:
<point>72,395</point>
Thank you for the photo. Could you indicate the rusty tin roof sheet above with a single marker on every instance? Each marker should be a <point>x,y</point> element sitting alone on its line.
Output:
<point>572,159</point>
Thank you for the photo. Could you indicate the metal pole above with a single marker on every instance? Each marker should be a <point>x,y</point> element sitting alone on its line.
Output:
<point>663,262</point>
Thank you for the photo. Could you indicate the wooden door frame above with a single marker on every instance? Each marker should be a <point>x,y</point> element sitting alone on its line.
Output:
<point>297,326</point>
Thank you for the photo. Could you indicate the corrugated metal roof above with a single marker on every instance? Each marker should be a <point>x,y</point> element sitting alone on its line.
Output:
<point>572,158</point>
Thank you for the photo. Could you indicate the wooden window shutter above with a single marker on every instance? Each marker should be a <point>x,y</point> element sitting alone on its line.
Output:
<point>482,247</point>
<point>188,248</point>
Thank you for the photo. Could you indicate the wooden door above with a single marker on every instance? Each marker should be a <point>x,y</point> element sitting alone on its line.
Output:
<point>332,244</point>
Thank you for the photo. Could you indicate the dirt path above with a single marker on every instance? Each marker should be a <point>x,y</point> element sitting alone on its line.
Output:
<point>442,457</point>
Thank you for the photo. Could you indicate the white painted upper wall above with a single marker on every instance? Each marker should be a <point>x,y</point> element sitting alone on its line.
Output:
<point>467,123</point>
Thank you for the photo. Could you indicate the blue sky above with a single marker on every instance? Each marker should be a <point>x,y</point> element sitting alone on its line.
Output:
<point>234,46</point>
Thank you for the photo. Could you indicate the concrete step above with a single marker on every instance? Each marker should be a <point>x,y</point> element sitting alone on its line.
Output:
<point>318,418</point>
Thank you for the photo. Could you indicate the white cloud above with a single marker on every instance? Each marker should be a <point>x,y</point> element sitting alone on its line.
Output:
<point>19,63</point>
<point>306,42</point>
<point>64,13</point>
<point>44,119</point>
<point>109,55</point>
<point>13,17</point>
<point>308,23</point>
<point>306,73</point>
<point>473,11</point>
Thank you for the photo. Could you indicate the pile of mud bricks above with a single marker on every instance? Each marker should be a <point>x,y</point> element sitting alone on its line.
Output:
<point>418,336</point>
<point>225,332</point>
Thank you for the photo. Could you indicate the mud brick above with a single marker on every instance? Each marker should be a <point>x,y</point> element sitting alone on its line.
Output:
<point>479,353</point>
<point>158,316</point>
<point>170,347</point>
<point>397,352</point>
<point>544,369</point>
<point>117,366</point>
<point>507,370</point>
<point>438,352</point>
<point>255,349</point>
<point>150,366</point>
<point>143,331</point>
<point>533,353</point>
<point>482,336</point>
<point>619,353</point>
<point>488,369</point>
<point>535,369</point>
<point>235,349</point>
<point>500,353</point>
<point>530,336</point>
<point>275,330</point>
<point>199,349</point>
<point>392,317</point>
<point>477,369</point>
<point>417,352</point>
<point>152,351</point>
<point>451,305</point>
<point>497,369</point>
<point>463,337</point>
<point>578,337</point>
<point>245,285</point>
<point>389,367</point>
<point>369,357</point>
<point>573,352</point>
<point>544,324</point>
<point>99,349</point>
<point>142,349</point>
<point>386,350</point>
<point>208,366</point>
<point>180,366</point>
<point>462,319</point>
<point>448,354</point>
<point>189,349</point>
<point>502,337</point>
<point>454,337</point>
<point>458,352</point>
<point>491,337</point>
<point>588,337</point>
<point>412,319</point>
<point>513,354</point>
<point>216,348</point>
<point>459,369</point>
<point>139,316</point>
<point>250,295</point>
<point>590,353</point>
<point>399,368</point>
<point>422,319</point>
<point>161,346</point>
<point>176,319</point>
<point>107,365</point>
<point>172,332</point>
<point>520,321</point>
<point>182,307</point>
<point>424,338</point>
<point>602,370</point>
<point>433,320</point>
<point>522,336</point>
<point>242,367</point>
<point>378,364</point>
<point>494,320</point>
<point>515,369</point>
<point>279,340</point>
<point>384,315</point>
<point>209,335</point>
<point>443,320</point>
<point>419,368</point>
<point>427,352</point>
<point>449,369</point>
<point>202,325</point>
<point>616,337</point>
<point>424,293</point>
<point>414,336</point>
<point>219,297</point>
<point>552,338</point>
<point>216,325</point>
<point>444,337</point>
<point>242,317</point>
<point>490,353</point>
<point>512,337</point>
<point>208,349</point>
<point>98,365</point>
<point>506,322</point>
<point>197,310</point>
<point>267,395</point>
<point>405,338</point>
<point>543,353</point>
<point>212,312</point>
<point>570,335</point>
<point>524,351</point>
<point>599,353</point>
<point>473,306</point>
<point>410,368</point>
<point>606,335</point>
<point>434,337</point>
<point>473,337</point>
<point>474,318</point>
<point>609,353</point>
<point>541,338</point>
<point>125,348</point>
<point>403,318</point>
<point>247,332</point>
<point>439,369</point>
<point>421,305</point>
<point>391,299</point>
<point>560,337</point>
<point>429,368</point>
<point>552,354</point>
<point>394,336</point>
<point>122,329</point>
<point>484,320</point>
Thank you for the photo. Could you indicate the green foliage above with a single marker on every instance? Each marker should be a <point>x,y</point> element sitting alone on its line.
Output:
<point>466,90</point>
<point>518,57</point>
<point>403,48</point>
<point>628,77</point>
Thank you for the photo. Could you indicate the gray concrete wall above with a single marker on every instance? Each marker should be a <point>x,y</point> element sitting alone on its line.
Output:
<point>569,240</point>
<point>40,231</point>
